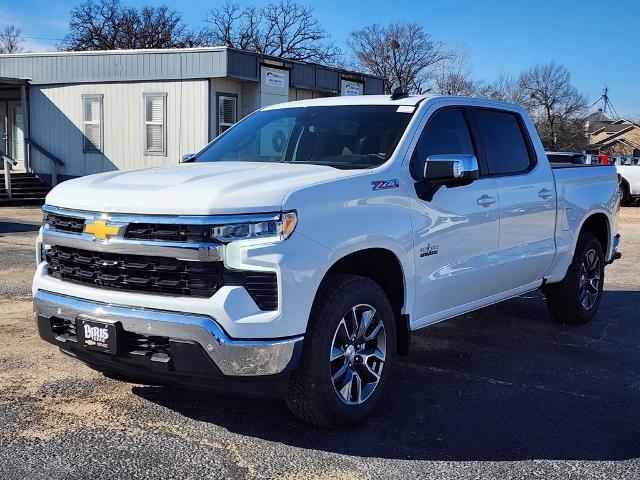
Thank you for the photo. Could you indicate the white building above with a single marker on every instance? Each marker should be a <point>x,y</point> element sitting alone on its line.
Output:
<point>67,114</point>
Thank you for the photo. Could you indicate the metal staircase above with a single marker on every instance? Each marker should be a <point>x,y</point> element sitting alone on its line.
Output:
<point>26,189</point>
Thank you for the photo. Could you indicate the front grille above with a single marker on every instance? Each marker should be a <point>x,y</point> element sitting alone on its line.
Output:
<point>169,233</point>
<point>165,276</point>
<point>63,223</point>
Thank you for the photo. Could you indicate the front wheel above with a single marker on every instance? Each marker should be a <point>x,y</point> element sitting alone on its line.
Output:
<point>348,353</point>
<point>576,299</point>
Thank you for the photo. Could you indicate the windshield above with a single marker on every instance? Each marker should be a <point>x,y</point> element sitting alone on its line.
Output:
<point>353,136</point>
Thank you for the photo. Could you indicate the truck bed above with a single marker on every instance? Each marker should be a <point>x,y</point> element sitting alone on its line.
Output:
<point>557,165</point>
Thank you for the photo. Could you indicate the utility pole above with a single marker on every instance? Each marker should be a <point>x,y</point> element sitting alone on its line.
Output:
<point>605,97</point>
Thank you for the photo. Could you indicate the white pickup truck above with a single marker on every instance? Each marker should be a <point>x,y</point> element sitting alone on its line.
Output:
<point>293,255</point>
<point>629,183</point>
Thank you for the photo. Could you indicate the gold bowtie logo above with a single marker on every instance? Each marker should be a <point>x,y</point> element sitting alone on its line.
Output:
<point>101,230</point>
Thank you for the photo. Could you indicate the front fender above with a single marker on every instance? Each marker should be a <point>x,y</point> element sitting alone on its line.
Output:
<point>348,215</point>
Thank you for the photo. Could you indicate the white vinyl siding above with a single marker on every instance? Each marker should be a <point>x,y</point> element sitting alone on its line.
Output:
<point>227,112</point>
<point>155,119</point>
<point>57,125</point>
<point>93,122</point>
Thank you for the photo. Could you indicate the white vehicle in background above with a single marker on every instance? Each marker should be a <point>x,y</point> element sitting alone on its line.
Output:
<point>629,182</point>
<point>293,255</point>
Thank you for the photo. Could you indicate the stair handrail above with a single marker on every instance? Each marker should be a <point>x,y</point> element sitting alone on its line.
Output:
<point>56,163</point>
<point>8,163</point>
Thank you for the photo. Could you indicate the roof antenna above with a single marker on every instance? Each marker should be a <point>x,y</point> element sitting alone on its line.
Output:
<point>398,93</point>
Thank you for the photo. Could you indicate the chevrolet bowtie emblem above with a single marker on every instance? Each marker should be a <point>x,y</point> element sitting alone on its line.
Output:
<point>101,230</point>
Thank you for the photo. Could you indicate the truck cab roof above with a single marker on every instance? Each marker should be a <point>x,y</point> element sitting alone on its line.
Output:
<point>408,100</point>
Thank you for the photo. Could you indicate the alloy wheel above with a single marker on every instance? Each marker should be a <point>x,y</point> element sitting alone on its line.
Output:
<point>357,355</point>
<point>589,286</point>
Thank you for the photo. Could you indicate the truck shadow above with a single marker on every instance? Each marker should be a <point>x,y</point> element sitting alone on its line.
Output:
<point>504,383</point>
<point>17,227</point>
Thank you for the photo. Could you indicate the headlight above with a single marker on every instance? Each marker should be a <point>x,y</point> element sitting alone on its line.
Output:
<point>275,229</point>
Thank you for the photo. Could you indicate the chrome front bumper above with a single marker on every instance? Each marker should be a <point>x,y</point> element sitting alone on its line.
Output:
<point>232,357</point>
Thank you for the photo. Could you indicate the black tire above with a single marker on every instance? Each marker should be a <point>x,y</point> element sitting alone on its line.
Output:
<point>566,300</point>
<point>312,396</point>
<point>624,193</point>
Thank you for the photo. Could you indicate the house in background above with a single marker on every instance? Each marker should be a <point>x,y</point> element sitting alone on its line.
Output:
<point>612,137</point>
<point>68,114</point>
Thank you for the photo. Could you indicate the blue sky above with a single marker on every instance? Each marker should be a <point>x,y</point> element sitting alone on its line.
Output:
<point>598,41</point>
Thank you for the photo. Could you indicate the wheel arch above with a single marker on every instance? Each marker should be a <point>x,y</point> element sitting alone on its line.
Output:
<point>597,224</point>
<point>384,267</point>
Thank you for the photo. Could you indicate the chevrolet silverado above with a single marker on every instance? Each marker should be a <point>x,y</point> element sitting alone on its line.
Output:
<point>293,256</point>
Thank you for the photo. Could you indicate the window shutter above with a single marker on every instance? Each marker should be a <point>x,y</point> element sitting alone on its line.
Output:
<point>92,134</point>
<point>155,109</point>
<point>226,112</point>
<point>155,123</point>
<point>93,123</point>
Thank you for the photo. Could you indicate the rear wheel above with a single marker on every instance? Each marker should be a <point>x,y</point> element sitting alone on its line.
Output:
<point>623,190</point>
<point>576,299</point>
<point>348,353</point>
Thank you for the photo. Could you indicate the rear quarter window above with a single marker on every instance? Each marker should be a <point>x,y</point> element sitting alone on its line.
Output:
<point>504,142</point>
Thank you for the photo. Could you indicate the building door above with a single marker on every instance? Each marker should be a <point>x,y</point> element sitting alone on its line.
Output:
<point>15,128</point>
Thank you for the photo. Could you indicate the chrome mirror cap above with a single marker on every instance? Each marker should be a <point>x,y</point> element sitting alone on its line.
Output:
<point>451,167</point>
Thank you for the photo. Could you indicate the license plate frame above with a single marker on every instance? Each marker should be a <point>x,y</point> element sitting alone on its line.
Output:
<point>97,335</point>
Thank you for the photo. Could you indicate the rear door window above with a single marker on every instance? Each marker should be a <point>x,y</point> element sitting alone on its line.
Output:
<point>504,142</point>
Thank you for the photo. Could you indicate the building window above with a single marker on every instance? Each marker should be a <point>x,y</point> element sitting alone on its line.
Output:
<point>227,112</point>
<point>155,123</point>
<point>93,123</point>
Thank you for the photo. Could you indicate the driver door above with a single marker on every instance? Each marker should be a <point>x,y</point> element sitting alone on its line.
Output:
<point>455,232</point>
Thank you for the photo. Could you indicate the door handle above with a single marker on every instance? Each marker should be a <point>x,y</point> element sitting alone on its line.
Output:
<point>545,193</point>
<point>486,200</point>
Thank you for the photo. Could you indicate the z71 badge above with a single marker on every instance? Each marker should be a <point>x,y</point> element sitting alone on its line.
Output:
<point>385,184</point>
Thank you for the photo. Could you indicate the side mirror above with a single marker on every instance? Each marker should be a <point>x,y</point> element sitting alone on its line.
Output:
<point>450,170</point>
<point>186,157</point>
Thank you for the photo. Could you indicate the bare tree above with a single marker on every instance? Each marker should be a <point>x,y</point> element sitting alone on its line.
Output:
<point>11,40</point>
<point>284,29</point>
<point>505,88</point>
<point>403,54</point>
<point>106,25</point>
<point>555,103</point>
<point>453,75</point>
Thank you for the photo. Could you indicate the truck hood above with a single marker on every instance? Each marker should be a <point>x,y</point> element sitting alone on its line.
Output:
<point>192,188</point>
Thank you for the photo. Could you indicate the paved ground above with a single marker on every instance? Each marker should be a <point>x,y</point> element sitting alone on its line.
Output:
<point>501,393</point>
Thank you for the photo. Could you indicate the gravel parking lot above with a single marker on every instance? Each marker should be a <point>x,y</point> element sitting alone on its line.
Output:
<point>504,392</point>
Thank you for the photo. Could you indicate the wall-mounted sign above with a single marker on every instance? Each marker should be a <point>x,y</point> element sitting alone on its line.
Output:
<point>276,78</point>
<point>350,87</point>
<point>274,85</point>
